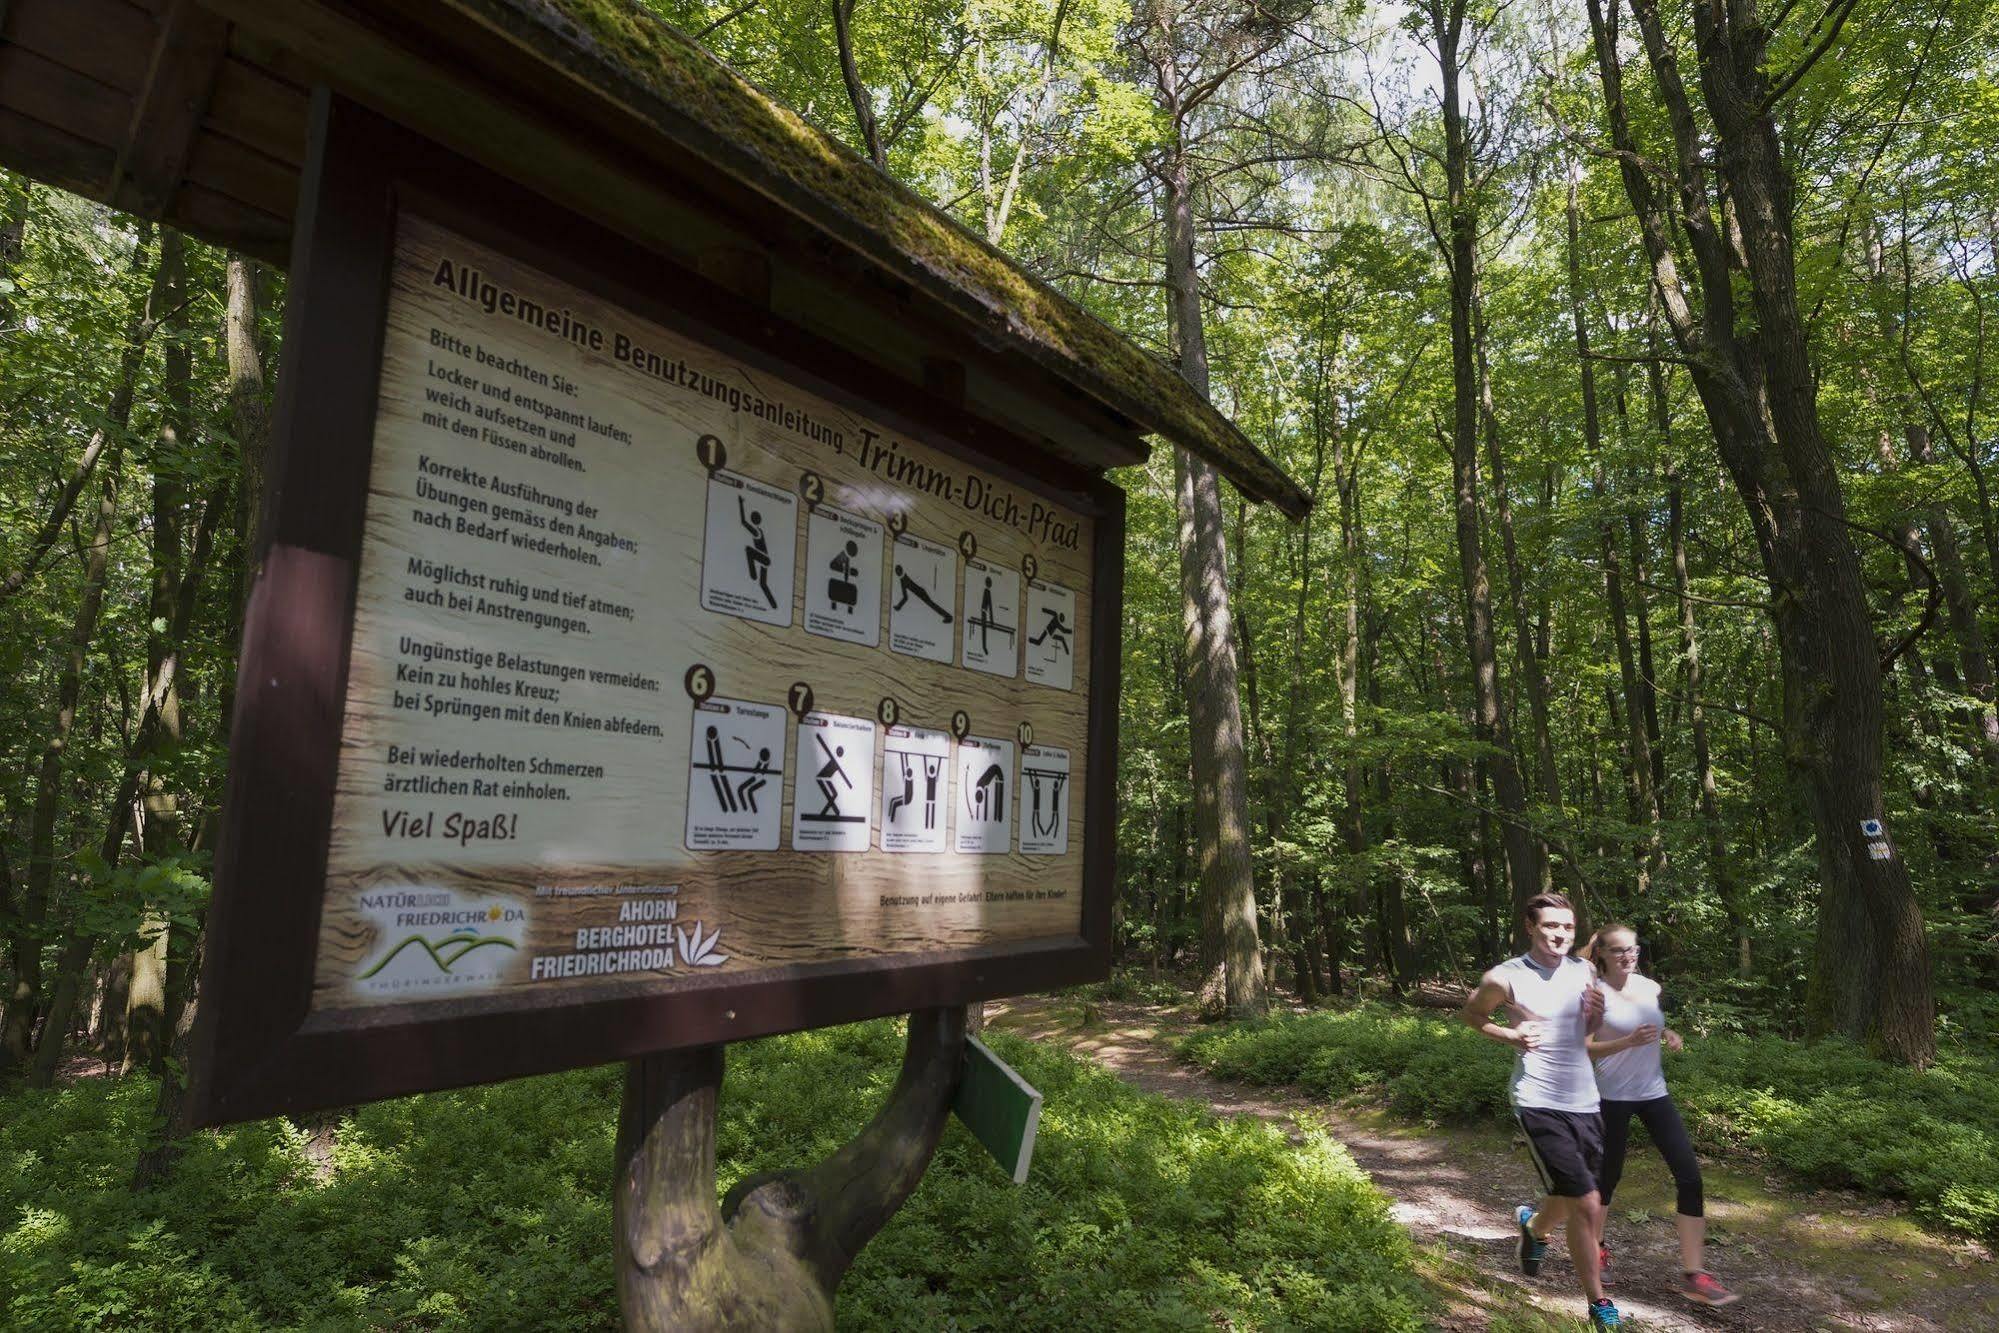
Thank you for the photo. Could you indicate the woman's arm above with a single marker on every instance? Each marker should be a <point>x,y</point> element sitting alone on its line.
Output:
<point>1639,1036</point>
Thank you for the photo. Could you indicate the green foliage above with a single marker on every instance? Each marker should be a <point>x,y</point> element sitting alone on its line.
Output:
<point>1132,985</point>
<point>1826,1111</point>
<point>489,1208</point>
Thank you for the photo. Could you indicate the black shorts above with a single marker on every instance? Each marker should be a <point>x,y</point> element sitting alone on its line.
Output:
<point>1567,1148</point>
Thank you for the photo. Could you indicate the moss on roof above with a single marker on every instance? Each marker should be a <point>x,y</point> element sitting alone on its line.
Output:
<point>709,109</point>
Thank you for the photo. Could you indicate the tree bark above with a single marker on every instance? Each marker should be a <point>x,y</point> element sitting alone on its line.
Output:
<point>857,91</point>
<point>772,1254</point>
<point>1752,370</point>
<point>169,1130</point>
<point>1221,807</point>
<point>1489,714</point>
<point>146,1021</point>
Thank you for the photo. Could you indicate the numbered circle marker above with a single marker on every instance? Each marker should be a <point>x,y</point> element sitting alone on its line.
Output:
<point>800,698</point>
<point>898,523</point>
<point>1026,733</point>
<point>1030,566</point>
<point>961,724</point>
<point>887,711</point>
<point>700,683</point>
<point>714,455</point>
<point>968,546</point>
<point>813,487</point>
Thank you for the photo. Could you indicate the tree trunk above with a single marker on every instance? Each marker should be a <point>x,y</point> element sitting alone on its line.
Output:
<point>1531,675</point>
<point>1523,853</point>
<point>1221,807</point>
<point>1648,673</point>
<point>1720,865</point>
<point>1753,373</point>
<point>772,1254</point>
<point>169,1130</point>
<point>146,1029</point>
<point>30,919</point>
<point>111,1028</point>
<point>857,91</point>
<point>1637,746</point>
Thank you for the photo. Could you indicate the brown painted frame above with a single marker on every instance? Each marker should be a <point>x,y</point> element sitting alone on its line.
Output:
<point>257,1049</point>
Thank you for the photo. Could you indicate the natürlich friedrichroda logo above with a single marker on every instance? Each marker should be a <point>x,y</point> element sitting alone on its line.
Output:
<point>430,939</point>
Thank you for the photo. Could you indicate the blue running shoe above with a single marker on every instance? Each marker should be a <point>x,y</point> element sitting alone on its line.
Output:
<point>1603,1314</point>
<point>1532,1249</point>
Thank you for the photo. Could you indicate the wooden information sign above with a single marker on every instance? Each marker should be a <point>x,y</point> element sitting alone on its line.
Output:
<point>630,670</point>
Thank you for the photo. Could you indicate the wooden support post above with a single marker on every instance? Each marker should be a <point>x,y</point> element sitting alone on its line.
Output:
<point>772,1254</point>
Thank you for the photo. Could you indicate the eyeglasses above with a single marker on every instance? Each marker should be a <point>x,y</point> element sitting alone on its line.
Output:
<point>1623,948</point>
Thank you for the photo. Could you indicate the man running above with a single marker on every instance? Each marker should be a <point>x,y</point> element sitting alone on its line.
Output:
<point>1554,1004</point>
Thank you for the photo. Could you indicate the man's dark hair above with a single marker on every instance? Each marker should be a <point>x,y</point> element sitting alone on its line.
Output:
<point>1532,911</point>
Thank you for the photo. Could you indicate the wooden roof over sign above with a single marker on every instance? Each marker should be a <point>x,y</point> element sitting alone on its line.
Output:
<point>194,111</point>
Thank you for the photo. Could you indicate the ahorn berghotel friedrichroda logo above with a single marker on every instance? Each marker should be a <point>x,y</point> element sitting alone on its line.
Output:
<point>430,939</point>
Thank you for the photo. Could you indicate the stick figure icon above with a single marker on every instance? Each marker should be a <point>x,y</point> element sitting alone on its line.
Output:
<point>986,798</point>
<point>910,587</point>
<point>1056,631</point>
<point>734,796</point>
<point>932,766</point>
<point>908,796</point>
<point>1037,778</point>
<point>830,776</point>
<point>985,620</point>
<point>746,791</point>
<point>758,551</point>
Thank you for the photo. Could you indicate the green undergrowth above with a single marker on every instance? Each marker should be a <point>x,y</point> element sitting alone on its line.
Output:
<point>489,1208</point>
<point>1825,1111</point>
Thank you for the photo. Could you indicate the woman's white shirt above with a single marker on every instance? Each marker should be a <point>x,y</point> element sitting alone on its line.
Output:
<point>1633,1074</point>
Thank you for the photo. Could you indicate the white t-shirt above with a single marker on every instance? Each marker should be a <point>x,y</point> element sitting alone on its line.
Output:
<point>1633,1074</point>
<point>1555,1075</point>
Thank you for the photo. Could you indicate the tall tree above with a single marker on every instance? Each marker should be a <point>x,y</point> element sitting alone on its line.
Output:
<point>1453,38</point>
<point>28,919</point>
<point>1192,49</point>
<point>1736,322</point>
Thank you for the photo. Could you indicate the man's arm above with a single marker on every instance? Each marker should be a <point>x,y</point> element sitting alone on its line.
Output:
<point>1477,1014</point>
<point>1592,1002</point>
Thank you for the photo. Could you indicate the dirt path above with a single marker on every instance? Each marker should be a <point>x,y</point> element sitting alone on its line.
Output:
<point>1800,1260</point>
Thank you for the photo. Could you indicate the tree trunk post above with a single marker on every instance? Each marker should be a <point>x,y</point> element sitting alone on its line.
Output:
<point>772,1254</point>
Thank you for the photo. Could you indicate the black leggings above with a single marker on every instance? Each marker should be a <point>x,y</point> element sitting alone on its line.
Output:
<point>1669,1134</point>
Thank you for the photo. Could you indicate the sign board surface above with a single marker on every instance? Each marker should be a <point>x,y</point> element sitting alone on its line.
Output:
<point>652,688</point>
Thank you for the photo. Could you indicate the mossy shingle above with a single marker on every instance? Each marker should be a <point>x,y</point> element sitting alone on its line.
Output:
<point>709,110</point>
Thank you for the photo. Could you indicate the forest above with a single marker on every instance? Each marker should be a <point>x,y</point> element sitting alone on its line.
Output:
<point>1641,360</point>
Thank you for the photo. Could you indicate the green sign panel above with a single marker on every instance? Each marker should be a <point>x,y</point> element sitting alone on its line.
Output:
<point>1000,1109</point>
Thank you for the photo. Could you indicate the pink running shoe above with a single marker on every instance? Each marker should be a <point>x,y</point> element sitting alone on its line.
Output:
<point>1704,1290</point>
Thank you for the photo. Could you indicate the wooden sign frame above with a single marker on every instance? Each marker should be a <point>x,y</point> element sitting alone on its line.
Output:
<point>259,1047</point>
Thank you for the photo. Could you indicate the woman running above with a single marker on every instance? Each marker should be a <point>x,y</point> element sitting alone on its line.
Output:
<point>1631,1081</point>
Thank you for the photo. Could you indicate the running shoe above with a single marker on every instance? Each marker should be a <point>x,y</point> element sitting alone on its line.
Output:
<point>1532,1250</point>
<point>1603,1314</point>
<point>1702,1289</point>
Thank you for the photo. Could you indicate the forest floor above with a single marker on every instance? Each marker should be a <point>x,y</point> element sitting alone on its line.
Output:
<point>1800,1258</point>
